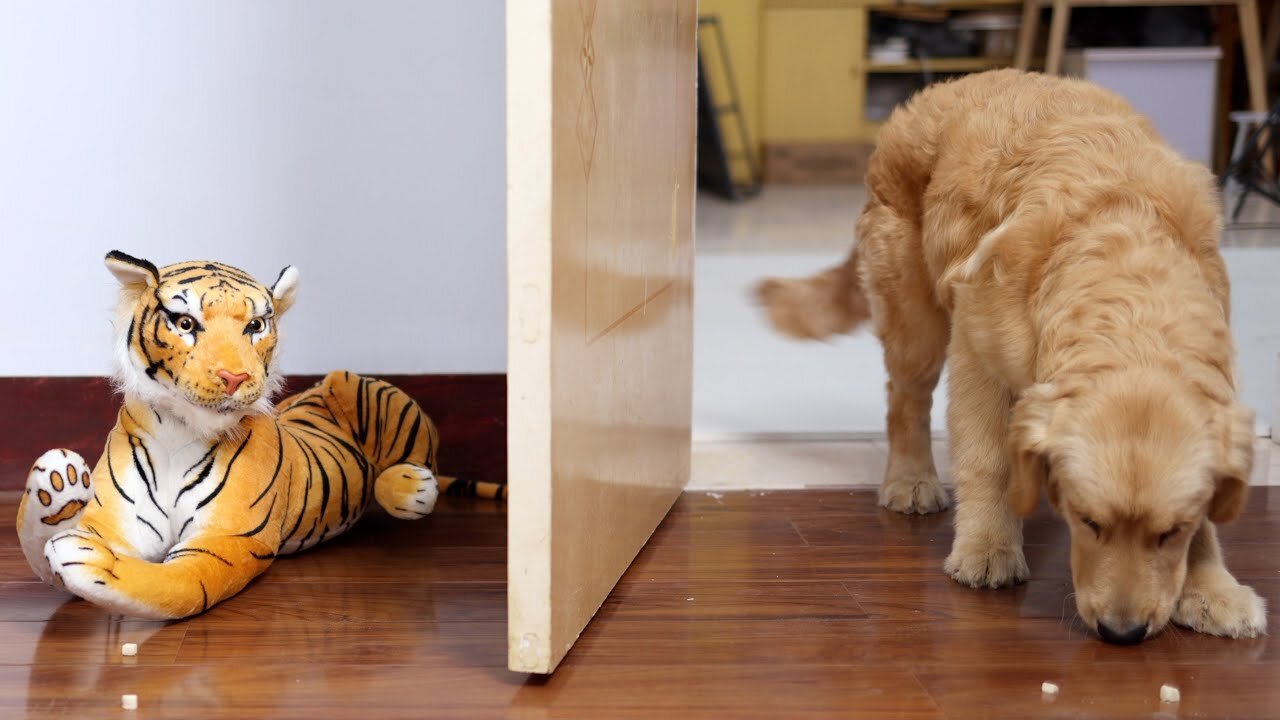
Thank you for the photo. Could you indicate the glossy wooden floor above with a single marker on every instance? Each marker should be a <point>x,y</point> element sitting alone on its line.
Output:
<point>790,604</point>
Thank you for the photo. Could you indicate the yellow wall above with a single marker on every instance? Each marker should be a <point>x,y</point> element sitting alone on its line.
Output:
<point>812,81</point>
<point>740,20</point>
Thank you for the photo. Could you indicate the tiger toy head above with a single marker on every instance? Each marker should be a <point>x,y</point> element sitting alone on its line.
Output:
<point>198,339</point>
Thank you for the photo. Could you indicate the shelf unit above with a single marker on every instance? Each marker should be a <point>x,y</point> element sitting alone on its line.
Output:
<point>941,65</point>
<point>814,68</point>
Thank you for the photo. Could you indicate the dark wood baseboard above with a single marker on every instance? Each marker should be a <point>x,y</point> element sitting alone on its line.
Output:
<point>41,413</point>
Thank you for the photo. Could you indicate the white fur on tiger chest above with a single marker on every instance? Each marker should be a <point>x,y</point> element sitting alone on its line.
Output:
<point>171,473</point>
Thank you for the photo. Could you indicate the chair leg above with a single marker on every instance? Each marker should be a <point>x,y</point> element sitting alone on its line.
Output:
<point>1027,34</point>
<point>1058,35</point>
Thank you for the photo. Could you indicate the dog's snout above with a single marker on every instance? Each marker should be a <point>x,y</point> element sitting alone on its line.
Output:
<point>1122,635</point>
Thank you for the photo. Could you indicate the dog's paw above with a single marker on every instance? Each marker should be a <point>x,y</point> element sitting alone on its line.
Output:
<point>913,492</point>
<point>1221,606</point>
<point>987,567</point>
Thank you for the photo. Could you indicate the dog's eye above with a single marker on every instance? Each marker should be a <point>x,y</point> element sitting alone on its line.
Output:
<point>1168,535</point>
<point>1095,527</point>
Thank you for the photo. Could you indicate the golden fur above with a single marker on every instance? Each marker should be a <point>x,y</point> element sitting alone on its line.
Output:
<point>1038,236</point>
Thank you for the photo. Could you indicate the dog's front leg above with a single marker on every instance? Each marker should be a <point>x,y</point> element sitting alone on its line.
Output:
<point>987,550</point>
<point>1212,600</point>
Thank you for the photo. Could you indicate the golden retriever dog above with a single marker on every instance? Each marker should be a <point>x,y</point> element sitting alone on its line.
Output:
<point>1036,235</point>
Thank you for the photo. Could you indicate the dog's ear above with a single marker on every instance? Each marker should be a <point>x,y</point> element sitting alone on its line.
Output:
<point>1234,435</point>
<point>1030,430</point>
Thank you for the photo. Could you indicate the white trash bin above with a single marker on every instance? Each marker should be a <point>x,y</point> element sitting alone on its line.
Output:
<point>1175,87</point>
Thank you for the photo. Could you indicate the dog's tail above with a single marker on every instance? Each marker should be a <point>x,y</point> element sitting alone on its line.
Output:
<point>813,308</point>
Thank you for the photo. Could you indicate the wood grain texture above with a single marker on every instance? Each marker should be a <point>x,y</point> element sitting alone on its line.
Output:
<point>600,193</point>
<point>407,620</point>
<point>77,413</point>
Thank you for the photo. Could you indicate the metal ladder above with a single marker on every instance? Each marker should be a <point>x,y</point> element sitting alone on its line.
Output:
<point>715,157</point>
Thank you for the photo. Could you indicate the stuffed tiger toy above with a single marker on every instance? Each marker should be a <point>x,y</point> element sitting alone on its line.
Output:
<point>203,483</point>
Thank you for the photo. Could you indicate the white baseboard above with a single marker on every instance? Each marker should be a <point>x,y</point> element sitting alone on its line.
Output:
<point>800,462</point>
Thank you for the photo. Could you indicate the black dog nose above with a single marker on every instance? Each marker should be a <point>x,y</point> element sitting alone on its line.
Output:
<point>1126,636</point>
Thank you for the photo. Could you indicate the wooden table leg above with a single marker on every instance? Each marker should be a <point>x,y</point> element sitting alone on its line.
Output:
<point>1058,35</point>
<point>1271,35</point>
<point>1027,33</point>
<point>1253,65</point>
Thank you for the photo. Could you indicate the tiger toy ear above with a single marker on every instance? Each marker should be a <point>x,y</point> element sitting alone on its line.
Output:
<point>130,270</point>
<point>283,291</point>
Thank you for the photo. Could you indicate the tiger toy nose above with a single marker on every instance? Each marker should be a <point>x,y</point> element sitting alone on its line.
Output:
<point>233,380</point>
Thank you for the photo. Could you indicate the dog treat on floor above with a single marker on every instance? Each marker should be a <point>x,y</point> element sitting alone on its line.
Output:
<point>1170,694</point>
<point>129,649</point>
<point>1048,688</point>
<point>129,702</point>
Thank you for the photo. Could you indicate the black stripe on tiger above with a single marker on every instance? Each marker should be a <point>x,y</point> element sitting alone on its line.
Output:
<point>163,316</point>
<point>343,494</point>
<point>218,270</point>
<point>380,415</point>
<point>413,438</point>
<point>79,562</point>
<point>111,471</point>
<point>275,474</point>
<point>153,527</point>
<point>404,412</point>
<point>324,479</point>
<point>225,474</point>
<point>204,473</point>
<point>306,490</point>
<point>204,457</point>
<point>303,542</point>
<point>134,443</point>
<point>146,455</point>
<point>362,461</point>
<point>179,552</point>
<point>265,519</point>
<point>362,426</point>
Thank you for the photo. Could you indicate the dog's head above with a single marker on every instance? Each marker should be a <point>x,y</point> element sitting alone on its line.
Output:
<point>1135,463</point>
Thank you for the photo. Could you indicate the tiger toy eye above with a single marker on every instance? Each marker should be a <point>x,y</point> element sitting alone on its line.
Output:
<point>186,323</point>
<point>256,325</point>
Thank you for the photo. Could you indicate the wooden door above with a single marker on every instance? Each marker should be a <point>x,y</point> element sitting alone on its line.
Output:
<point>600,190</point>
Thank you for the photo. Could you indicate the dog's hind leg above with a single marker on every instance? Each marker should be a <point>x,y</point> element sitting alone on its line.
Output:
<point>913,330</point>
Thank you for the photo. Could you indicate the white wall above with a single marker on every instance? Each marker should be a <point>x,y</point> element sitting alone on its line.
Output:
<point>360,141</point>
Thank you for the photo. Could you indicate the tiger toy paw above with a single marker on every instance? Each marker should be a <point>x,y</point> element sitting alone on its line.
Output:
<point>58,489</point>
<point>407,491</point>
<point>79,562</point>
